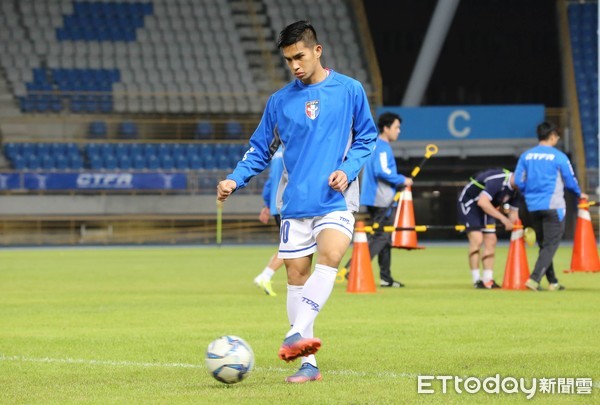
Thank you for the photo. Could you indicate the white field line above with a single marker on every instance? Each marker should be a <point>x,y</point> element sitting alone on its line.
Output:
<point>112,363</point>
<point>23,359</point>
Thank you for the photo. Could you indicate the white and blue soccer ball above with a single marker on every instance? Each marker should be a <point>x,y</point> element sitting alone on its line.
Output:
<point>229,359</point>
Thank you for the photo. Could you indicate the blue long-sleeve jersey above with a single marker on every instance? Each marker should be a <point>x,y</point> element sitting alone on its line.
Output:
<point>542,174</point>
<point>322,128</point>
<point>380,177</point>
<point>270,188</point>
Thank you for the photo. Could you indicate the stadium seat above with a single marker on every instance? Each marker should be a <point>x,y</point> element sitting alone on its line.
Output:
<point>128,130</point>
<point>204,130</point>
<point>97,130</point>
<point>233,130</point>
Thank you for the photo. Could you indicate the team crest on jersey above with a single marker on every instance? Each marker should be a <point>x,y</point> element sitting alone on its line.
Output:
<point>312,109</point>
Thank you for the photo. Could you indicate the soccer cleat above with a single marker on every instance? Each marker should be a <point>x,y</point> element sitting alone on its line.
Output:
<point>479,285</point>
<point>266,286</point>
<point>307,372</point>
<point>555,287</point>
<point>257,281</point>
<point>393,284</point>
<point>532,285</point>
<point>490,284</point>
<point>296,346</point>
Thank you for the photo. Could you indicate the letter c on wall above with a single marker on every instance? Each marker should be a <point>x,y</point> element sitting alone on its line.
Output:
<point>452,124</point>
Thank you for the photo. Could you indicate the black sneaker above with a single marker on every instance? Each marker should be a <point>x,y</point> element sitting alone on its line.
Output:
<point>491,284</point>
<point>479,285</point>
<point>393,284</point>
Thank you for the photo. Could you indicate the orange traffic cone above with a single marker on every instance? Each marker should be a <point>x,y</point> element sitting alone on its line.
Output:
<point>516,272</point>
<point>405,218</point>
<point>585,250</point>
<point>361,278</point>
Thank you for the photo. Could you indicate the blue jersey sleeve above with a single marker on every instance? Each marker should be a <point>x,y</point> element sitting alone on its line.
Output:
<point>385,167</point>
<point>568,175</point>
<point>257,158</point>
<point>364,135</point>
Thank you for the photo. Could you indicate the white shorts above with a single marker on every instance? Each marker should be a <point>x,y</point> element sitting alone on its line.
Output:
<point>298,236</point>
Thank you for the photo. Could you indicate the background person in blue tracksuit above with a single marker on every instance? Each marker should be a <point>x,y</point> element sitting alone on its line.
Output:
<point>269,194</point>
<point>542,174</point>
<point>380,180</point>
<point>323,123</point>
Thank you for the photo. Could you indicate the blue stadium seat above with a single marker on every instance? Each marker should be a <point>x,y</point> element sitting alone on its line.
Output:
<point>223,162</point>
<point>181,162</point>
<point>46,161</point>
<point>27,148</point>
<point>58,148</point>
<point>121,149</point>
<point>32,162</point>
<point>152,162</point>
<point>18,162</point>
<point>150,149</point>
<point>128,130</point>
<point>167,162</point>
<point>195,163</point>
<point>139,163</point>
<point>61,162</point>
<point>124,162</point>
<point>109,162</point>
<point>75,162</point>
<point>204,130</point>
<point>95,162</point>
<point>107,149</point>
<point>11,150</point>
<point>209,162</point>
<point>233,130</point>
<point>42,148</point>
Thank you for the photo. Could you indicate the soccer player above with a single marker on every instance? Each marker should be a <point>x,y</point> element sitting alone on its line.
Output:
<point>542,173</point>
<point>479,205</point>
<point>323,122</point>
<point>263,280</point>
<point>380,180</point>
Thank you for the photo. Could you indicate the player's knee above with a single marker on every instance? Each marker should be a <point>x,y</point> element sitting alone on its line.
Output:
<point>331,258</point>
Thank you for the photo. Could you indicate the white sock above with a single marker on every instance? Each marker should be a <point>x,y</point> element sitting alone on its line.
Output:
<point>267,273</point>
<point>475,275</point>
<point>294,297</point>
<point>308,332</point>
<point>488,275</point>
<point>317,290</point>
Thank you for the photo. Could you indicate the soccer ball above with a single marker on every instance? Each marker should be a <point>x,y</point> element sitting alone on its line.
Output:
<point>229,359</point>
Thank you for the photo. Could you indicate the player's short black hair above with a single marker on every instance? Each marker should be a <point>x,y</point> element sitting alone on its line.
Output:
<point>299,31</point>
<point>387,119</point>
<point>545,129</point>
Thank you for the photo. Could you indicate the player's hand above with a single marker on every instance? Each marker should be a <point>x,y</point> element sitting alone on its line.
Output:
<point>508,225</point>
<point>408,182</point>
<point>338,181</point>
<point>264,215</point>
<point>584,196</point>
<point>225,188</point>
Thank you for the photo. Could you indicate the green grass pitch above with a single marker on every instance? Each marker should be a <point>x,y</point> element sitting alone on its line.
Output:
<point>131,325</point>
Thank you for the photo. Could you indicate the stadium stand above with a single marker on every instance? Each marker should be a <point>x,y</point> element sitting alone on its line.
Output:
<point>583,22</point>
<point>123,156</point>
<point>159,56</point>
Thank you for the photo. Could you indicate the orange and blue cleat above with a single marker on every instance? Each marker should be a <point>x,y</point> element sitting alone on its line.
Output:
<point>307,373</point>
<point>296,346</point>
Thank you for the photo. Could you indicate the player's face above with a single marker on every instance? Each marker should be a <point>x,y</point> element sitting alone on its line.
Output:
<point>393,131</point>
<point>303,61</point>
